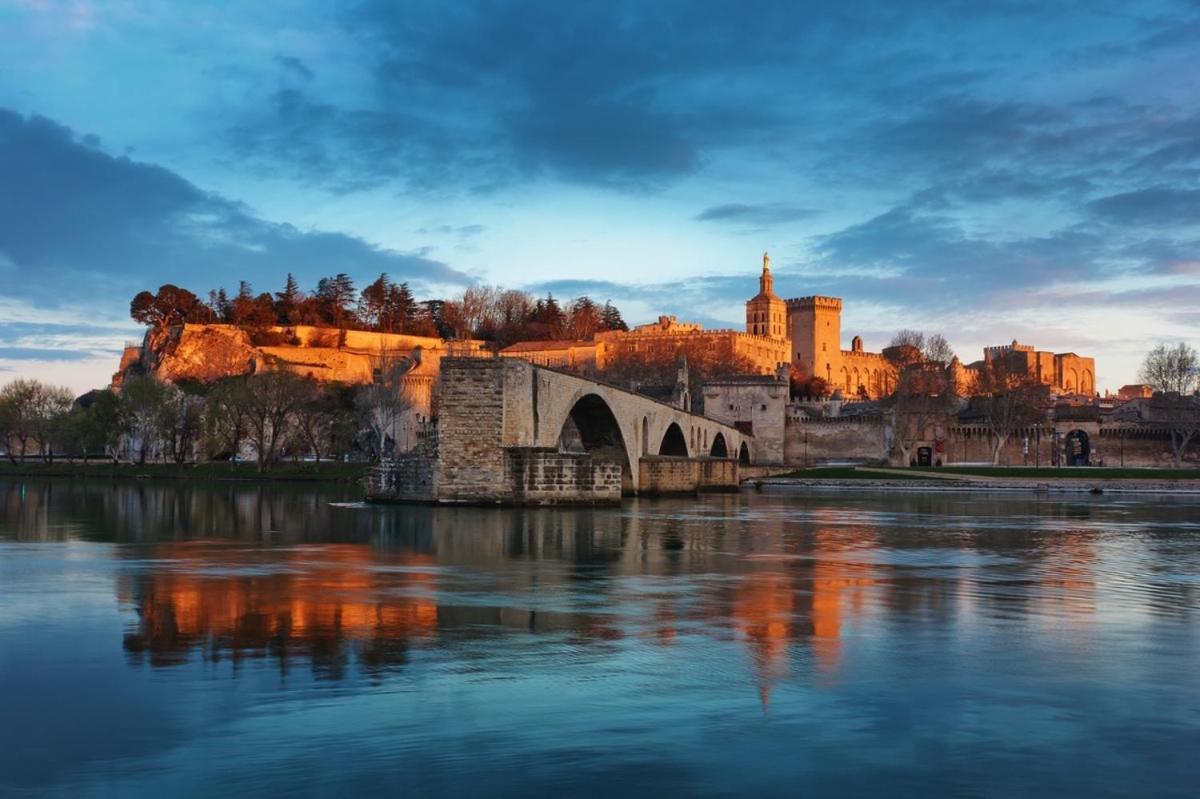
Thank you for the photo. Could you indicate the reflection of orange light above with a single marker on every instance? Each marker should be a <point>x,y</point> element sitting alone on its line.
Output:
<point>762,610</point>
<point>836,587</point>
<point>331,593</point>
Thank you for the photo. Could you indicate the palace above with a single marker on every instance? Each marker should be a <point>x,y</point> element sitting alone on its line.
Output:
<point>805,334</point>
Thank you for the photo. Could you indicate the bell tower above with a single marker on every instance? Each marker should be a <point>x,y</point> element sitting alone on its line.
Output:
<point>766,313</point>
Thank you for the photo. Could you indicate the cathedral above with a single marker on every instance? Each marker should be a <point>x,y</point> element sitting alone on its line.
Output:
<point>812,328</point>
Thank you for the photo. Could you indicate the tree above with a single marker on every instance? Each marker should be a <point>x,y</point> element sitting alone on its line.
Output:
<point>95,424</point>
<point>141,401</point>
<point>547,322</point>
<point>270,400</point>
<point>51,404</point>
<point>1170,369</point>
<point>612,317</point>
<point>373,302</point>
<point>1009,399</point>
<point>170,306</point>
<point>180,417</point>
<point>925,392</point>
<point>1174,374</point>
<point>513,312</point>
<point>653,365</point>
<point>336,298</point>
<point>18,402</point>
<point>316,418</point>
<point>226,417</point>
<point>383,402</point>
<point>584,319</point>
<point>287,302</point>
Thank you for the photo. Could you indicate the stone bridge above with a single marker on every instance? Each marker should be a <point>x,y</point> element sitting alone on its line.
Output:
<point>509,431</point>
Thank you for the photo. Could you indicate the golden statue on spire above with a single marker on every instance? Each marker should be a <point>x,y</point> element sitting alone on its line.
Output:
<point>766,262</point>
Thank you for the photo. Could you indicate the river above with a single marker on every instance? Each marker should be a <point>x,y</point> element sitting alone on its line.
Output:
<point>238,639</point>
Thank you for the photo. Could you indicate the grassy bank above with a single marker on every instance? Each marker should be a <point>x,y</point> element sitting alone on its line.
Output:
<point>326,471</point>
<point>851,473</point>
<point>1049,472</point>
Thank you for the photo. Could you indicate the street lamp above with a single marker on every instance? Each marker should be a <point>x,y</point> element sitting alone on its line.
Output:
<point>1037,447</point>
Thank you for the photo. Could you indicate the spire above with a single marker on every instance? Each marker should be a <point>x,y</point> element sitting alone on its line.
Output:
<point>766,283</point>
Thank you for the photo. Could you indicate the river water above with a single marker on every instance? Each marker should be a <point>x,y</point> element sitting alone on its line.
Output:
<point>241,640</point>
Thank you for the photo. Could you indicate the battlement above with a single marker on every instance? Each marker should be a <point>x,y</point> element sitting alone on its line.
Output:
<point>808,303</point>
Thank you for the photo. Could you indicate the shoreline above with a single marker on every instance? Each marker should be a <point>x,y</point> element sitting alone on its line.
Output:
<point>305,472</point>
<point>1061,485</point>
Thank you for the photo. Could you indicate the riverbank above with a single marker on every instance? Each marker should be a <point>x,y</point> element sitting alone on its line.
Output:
<point>1077,481</point>
<point>300,471</point>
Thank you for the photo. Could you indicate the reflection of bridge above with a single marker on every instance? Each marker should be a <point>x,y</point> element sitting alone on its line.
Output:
<point>509,431</point>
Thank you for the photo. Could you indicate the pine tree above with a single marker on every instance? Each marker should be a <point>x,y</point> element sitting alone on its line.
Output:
<point>287,301</point>
<point>610,317</point>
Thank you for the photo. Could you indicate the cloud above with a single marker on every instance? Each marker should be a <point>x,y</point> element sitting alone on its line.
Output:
<point>761,214</point>
<point>1154,206</point>
<point>97,228</point>
<point>294,66</point>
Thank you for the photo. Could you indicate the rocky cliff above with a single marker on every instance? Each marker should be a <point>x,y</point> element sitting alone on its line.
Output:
<point>204,353</point>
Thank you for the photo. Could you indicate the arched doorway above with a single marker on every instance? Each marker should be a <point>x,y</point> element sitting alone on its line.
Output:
<point>1077,449</point>
<point>719,450</point>
<point>673,442</point>
<point>591,427</point>
<point>744,454</point>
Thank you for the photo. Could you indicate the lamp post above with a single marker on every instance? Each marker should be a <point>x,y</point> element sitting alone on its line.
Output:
<point>1037,447</point>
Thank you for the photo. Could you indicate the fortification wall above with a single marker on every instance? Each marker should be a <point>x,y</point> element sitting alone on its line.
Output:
<point>816,441</point>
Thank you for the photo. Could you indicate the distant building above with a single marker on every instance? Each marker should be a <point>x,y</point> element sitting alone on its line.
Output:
<point>574,356</point>
<point>1064,372</point>
<point>1135,391</point>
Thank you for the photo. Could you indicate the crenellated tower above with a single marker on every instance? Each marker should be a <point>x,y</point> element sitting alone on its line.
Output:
<point>815,328</point>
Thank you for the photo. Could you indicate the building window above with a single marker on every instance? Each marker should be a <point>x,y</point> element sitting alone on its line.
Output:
<point>764,407</point>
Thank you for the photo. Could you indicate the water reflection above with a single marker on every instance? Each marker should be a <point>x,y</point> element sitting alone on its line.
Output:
<point>737,601</point>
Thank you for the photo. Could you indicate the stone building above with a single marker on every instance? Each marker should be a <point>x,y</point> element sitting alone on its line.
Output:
<point>1064,372</point>
<point>764,353</point>
<point>755,405</point>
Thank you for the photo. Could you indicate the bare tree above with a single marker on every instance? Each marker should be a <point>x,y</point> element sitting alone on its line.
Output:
<point>141,401</point>
<point>1010,400</point>
<point>317,417</point>
<point>1174,369</point>
<point>271,399</point>
<point>1174,374</point>
<point>385,400</point>
<point>925,387</point>
<point>226,417</point>
<point>180,418</point>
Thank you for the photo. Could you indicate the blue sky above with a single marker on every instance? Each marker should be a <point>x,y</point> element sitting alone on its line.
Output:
<point>988,170</point>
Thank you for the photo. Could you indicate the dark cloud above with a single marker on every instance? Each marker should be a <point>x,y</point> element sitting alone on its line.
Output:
<point>97,228</point>
<point>760,214</point>
<point>1154,206</point>
<point>294,67</point>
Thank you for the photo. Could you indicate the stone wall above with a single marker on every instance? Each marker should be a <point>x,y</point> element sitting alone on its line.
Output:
<point>816,441</point>
<point>545,476</point>
<point>666,475</point>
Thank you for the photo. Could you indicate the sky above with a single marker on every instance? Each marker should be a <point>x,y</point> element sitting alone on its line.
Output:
<point>992,171</point>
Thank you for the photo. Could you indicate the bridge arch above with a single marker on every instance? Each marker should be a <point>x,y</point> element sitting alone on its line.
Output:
<point>719,450</point>
<point>673,442</point>
<point>591,426</point>
<point>744,454</point>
